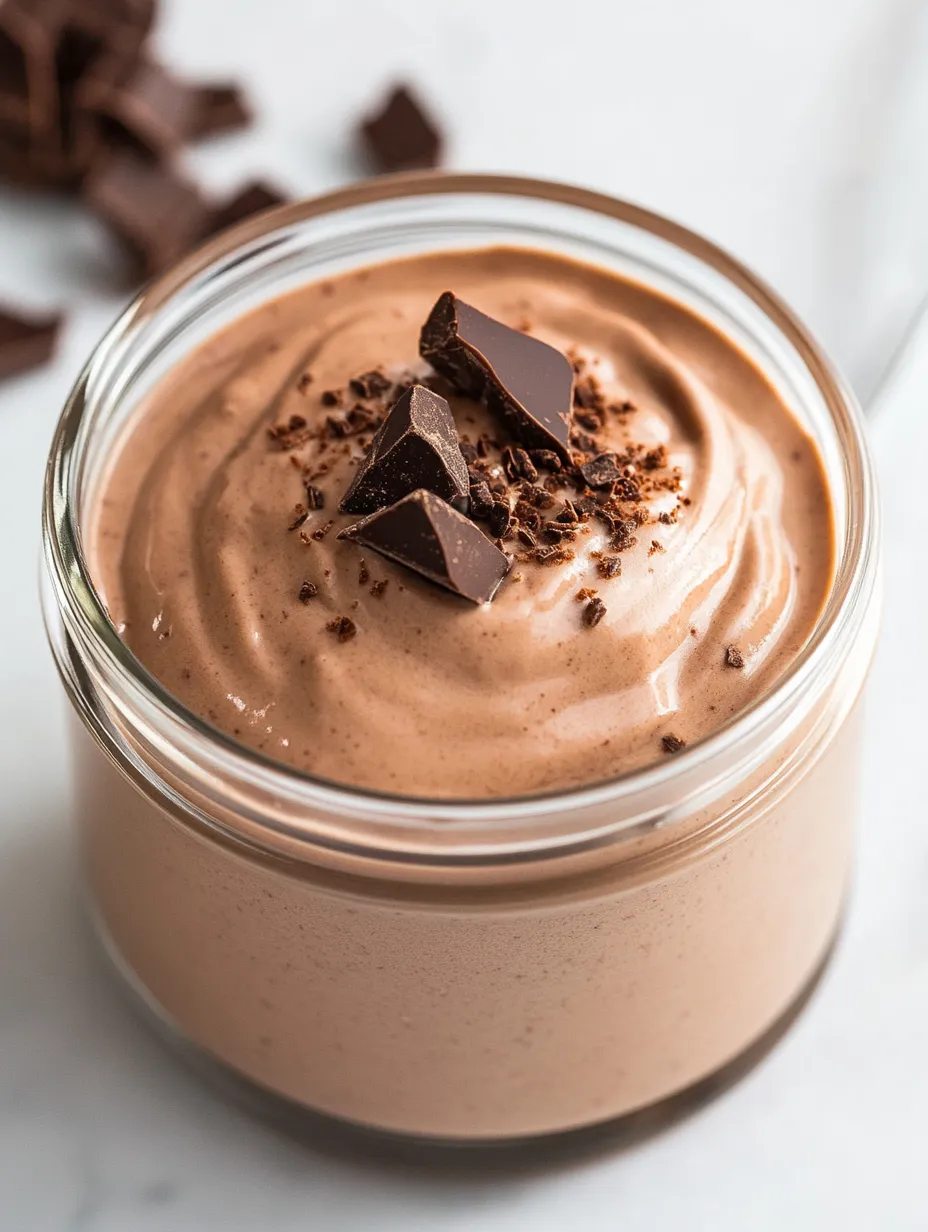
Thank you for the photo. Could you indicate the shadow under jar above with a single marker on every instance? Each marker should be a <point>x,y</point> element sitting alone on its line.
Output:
<point>463,971</point>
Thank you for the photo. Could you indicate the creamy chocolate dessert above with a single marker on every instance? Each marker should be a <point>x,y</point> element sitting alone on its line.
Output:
<point>656,523</point>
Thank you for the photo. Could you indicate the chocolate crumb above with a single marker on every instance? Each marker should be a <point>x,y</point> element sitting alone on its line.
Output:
<point>518,464</point>
<point>379,587</point>
<point>546,459</point>
<point>304,382</point>
<point>370,384</point>
<point>481,499</point>
<point>342,627</point>
<point>525,536</point>
<point>330,397</point>
<point>500,519</point>
<point>363,572</point>
<point>624,536</point>
<point>593,613</point>
<point>322,531</point>
<point>308,591</point>
<point>609,566</point>
<point>672,744</point>
<point>734,657</point>
<point>601,471</point>
<point>302,513</point>
<point>583,595</point>
<point>314,498</point>
<point>655,547</point>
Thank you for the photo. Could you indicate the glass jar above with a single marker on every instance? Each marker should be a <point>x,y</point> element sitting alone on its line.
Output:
<point>463,971</point>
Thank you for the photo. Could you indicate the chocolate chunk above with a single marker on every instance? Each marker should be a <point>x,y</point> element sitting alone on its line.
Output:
<point>425,534</point>
<point>138,103</point>
<point>609,567</point>
<point>525,381</point>
<point>251,198</point>
<point>158,215</point>
<point>219,107</point>
<point>26,343</point>
<point>601,471</point>
<point>401,137</point>
<point>315,499</point>
<point>416,447</point>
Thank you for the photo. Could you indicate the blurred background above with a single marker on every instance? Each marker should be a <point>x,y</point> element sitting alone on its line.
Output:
<point>794,134</point>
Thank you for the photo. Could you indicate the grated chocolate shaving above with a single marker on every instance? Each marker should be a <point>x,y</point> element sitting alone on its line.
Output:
<point>342,627</point>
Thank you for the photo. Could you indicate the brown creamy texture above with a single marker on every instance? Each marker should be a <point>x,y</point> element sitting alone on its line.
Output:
<point>434,696</point>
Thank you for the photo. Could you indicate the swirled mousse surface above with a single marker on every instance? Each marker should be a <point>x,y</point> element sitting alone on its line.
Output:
<point>675,595</point>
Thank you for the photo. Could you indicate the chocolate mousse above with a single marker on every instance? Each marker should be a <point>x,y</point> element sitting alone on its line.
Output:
<point>465,525</point>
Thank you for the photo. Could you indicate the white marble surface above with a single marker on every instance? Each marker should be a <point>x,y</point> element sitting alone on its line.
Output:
<point>792,132</point>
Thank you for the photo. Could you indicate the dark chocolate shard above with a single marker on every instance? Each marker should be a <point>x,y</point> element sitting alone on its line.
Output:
<point>425,534</point>
<point>415,447</point>
<point>525,381</point>
<point>136,102</point>
<point>158,215</point>
<point>401,137</point>
<point>601,471</point>
<point>251,198</point>
<point>26,342</point>
<point>219,107</point>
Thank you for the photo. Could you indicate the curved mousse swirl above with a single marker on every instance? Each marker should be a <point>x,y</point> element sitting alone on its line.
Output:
<point>433,696</point>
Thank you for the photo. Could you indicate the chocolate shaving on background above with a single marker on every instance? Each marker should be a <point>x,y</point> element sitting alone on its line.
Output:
<point>523,380</point>
<point>219,107</point>
<point>158,215</point>
<point>80,94</point>
<point>26,342</point>
<point>251,198</point>
<point>137,104</point>
<point>401,136</point>
<point>426,535</point>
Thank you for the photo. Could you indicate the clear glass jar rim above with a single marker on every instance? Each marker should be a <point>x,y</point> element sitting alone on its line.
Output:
<point>75,589</point>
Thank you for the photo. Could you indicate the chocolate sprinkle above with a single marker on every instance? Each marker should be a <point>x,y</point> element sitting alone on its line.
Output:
<point>26,342</point>
<point>525,381</point>
<point>416,447</point>
<point>424,533</point>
